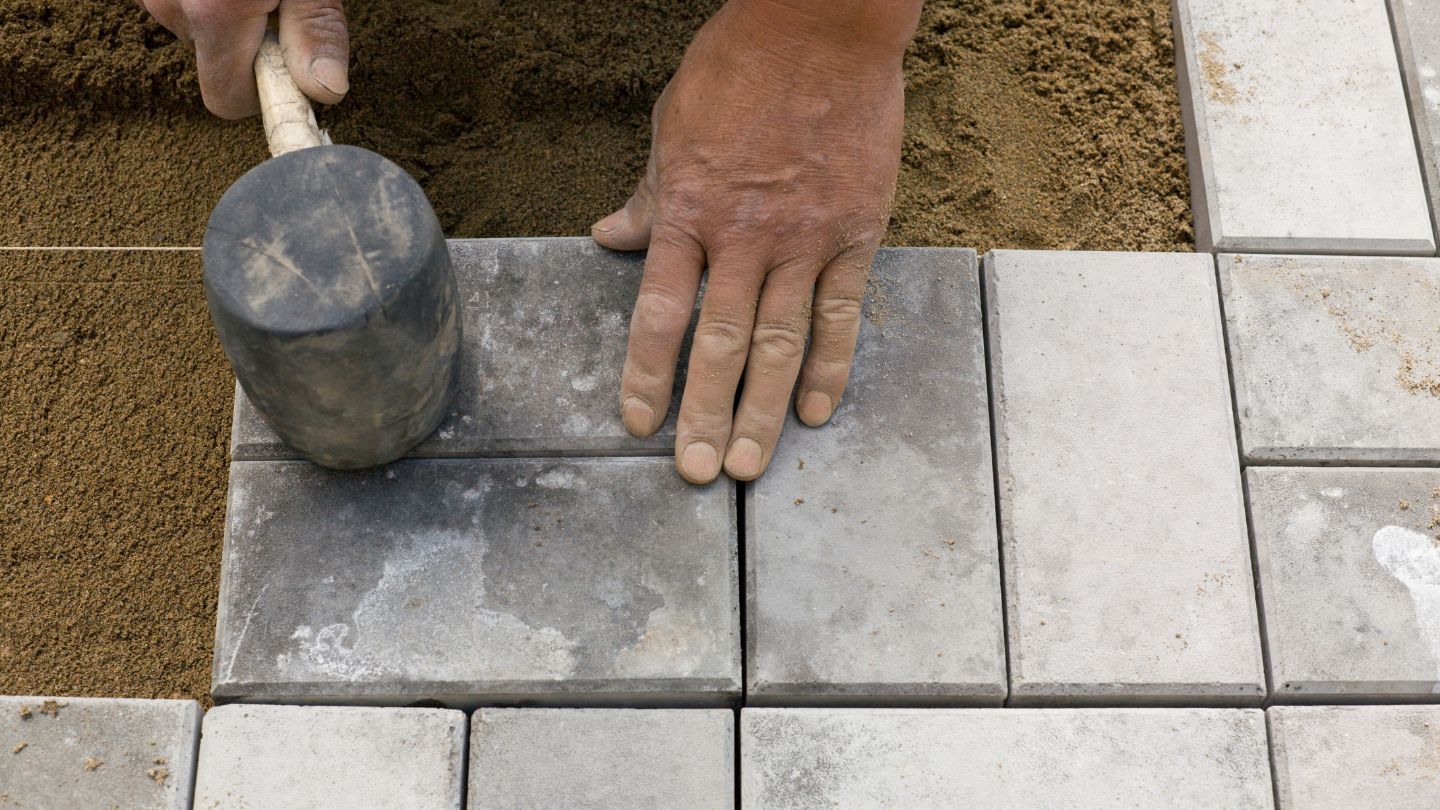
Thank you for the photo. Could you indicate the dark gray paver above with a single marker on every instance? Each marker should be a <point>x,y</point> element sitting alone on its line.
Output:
<point>1296,129</point>
<point>1005,758</point>
<point>474,581</point>
<point>602,758</point>
<point>1417,33</point>
<point>1127,565</point>
<point>871,546</point>
<point>331,756</point>
<point>1344,757</point>
<point>64,753</point>
<point>1349,563</point>
<point>1336,359</point>
<point>545,326</point>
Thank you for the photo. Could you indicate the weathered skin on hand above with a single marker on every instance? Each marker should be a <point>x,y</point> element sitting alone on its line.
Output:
<point>775,151</point>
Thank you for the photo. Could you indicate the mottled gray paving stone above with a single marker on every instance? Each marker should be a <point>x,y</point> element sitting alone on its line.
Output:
<point>1127,565</point>
<point>1346,757</point>
<point>1417,33</point>
<point>871,550</point>
<point>1005,758</point>
<point>602,758</point>
<point>1336,359</point>
<point>1349,563</point>
<point>1296,129</point>
<point>545,325</point>
<point>67,753</point>
<point>475,581</point>
<point>328,756</point>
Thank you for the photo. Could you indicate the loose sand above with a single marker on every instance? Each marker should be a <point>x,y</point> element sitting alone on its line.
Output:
<point>1031,124</point>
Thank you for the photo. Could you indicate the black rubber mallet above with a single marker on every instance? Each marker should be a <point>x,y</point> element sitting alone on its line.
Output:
<point>331,288</point>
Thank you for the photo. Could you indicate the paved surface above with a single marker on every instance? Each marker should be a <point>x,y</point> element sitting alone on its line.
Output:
<point>602,758</point>
<point>1417,34</point>
<point>1336,359</point>
<point>68,753</point>
<point>871,543</point>
<point>1127,566</point>
<point>1014,758</point>
<point>324,756</point>
<point>1345,757</point>
<point>545,325</point>
<point>1297,131</point>
<point>477,581</point>
<point>1349,563</point>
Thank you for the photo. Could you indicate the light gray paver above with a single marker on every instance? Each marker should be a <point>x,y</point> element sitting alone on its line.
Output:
<point>1349,563</point>
<point>1296,129</point>
<point>545,325</point>
<point>328,756</point>
<point>65,753</point>
<point>1417,33</point>
<point>1005,758</point>
<point>1356,756</point>
<point>472,581</point>
<point>871,550</point>
<point>1127,565</point>
<point>602,758</point>
<point>1336,359</point>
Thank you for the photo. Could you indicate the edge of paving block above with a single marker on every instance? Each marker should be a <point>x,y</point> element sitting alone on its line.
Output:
<point>1197,157</point>
<point>1427,144</point>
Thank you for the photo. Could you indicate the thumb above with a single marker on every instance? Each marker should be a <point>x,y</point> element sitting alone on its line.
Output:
<point>628,228</point>
<point>317,47</point>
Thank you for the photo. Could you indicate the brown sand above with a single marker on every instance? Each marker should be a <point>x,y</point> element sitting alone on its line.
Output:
<point>1031,124</point>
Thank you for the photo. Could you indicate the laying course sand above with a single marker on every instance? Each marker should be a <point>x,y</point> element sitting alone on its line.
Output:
<point>1030,124</point>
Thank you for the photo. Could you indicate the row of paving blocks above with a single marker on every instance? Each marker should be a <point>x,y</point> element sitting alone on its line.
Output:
<point>90,752</point>
<point>531,553</point>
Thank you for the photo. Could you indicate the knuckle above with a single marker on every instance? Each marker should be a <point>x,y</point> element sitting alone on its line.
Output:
<point>721,336</point>
<point>782,342</point>
<point>659,313</point>
<point>838,308</point>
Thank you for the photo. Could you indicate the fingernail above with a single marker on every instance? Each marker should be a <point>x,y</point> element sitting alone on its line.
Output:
<point>815,408</point>
<point>699,463</point>
<point>638,416</point>
<point>330,74</point>
<point>610,223</point>
<point>743,458</point>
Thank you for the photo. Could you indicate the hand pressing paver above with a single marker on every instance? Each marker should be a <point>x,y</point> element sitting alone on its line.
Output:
<point>1336,359</point>
<point>1349,563</point>
<point>545,325</point>
<point>871,549</point>
<point>1003,758</point>
<point>1356,756</point>
<point>1417,32</point>
<point>473,581</point>
<point>328,756</point>
<point>1296,129</point>
<point>602,758</point>
<point>66,753</point>
<point>1127,565</point>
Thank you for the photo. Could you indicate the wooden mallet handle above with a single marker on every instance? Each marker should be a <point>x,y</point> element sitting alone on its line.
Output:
<point>289,121</point>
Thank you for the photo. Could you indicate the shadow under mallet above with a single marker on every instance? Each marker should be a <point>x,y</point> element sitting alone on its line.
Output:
<point>330,285</point>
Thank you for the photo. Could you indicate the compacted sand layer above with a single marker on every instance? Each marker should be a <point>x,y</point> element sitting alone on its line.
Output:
<point>1037,124</point>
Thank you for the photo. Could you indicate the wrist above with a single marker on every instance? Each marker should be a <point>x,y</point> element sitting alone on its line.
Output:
<point>848,34</point>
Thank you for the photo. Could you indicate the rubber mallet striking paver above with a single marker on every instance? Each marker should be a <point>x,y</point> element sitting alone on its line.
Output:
<point>332,290</point>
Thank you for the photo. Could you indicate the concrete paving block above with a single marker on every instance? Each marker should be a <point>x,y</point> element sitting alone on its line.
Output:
<point>545,327</point>
<point>1003,758</point>
<point>602,758</point>
<point>1336,359</point>
<point>871,549</point>
<point>1127,564</point>
<point>1296,129</point>
<point>1349,563</point>
<point>1356,756</point>
<point>1417,33</point>
<point>331,756</point>
<point>480,580</point>
<point>61,753</point>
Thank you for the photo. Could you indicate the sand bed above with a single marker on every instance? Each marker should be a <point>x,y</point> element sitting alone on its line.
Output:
<point>1030,124</point>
